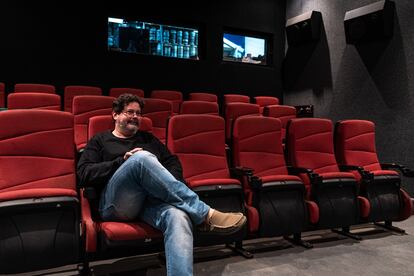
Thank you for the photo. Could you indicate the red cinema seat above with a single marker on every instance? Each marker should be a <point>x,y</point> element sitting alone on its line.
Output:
<point>34,87</point>
<point>103,123</point>
<point>235,110</point>
<point>310,150</point>
<point>355,150</point>
<point>78,90</point>
<point>206,97</point>
<point>263,101</point>
<point>235,98</point>
<point>85,107</point>
<point>199,107</point>
<point>175,97</point>
<point>39,208</point>
<point>33,101</point>
<point>283,112</point>
<point>158,111</point>
<point>198,141</point>
<point>116,92</point>
<point>2,95</point>
<point>277,197</point>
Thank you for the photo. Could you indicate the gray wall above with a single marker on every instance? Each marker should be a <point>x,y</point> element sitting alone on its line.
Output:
<point>375,83</point>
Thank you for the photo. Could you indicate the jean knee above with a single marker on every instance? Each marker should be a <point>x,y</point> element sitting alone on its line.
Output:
<point>141,157</point>
<point>177,220</point>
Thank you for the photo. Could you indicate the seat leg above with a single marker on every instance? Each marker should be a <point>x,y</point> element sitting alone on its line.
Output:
<point>84,268</point>
<point>345,232</point>
<point>388,225</point>
<point>238,248</point>
<point>297,240</point>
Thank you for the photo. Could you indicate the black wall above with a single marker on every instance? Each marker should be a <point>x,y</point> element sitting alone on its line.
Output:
<point>373,81</point>
<point>65,42</point>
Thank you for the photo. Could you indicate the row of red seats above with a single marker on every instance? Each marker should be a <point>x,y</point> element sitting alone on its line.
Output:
<point>38,194</point>
<point>52,101</point>
<point>159,110</point>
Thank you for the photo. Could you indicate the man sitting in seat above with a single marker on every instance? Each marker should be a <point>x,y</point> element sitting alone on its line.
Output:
<point>140,178</point>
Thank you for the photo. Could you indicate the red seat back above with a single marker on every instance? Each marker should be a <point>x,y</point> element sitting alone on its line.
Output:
<point>199,96</point>
<point>198,141</point>
<point>355,144</point>
<point>199,107</point>
<point>33,101</point>
<point>116,92</point>
<point>235,110</point>
<point>158,111</point>
<point>34,87</point>
<point>78,90</point>
<point>235,98</point>
<point>257,144</point>
<point>36,150</point>
<point>175,97</point>
<point>103,123</point>
<point>85,107</point>
<point>263,101</point>
<point>283,112</point>
<point>309,144</point>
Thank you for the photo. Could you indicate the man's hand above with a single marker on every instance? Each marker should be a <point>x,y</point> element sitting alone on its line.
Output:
<point>131,152</point>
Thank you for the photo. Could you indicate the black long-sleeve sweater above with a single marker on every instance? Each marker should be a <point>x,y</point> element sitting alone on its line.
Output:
<point>104,154</point>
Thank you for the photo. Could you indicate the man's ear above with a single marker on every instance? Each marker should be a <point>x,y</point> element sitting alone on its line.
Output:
<point>114,115</point>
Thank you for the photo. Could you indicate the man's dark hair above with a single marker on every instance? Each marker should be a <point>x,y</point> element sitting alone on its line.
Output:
<point>124,100</point>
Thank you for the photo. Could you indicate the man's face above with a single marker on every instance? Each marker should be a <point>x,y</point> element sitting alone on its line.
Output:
<point>127,122</point>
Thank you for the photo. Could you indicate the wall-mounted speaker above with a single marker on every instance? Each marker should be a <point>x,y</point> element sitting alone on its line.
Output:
<point>304,28</point>
<point>370,23</point>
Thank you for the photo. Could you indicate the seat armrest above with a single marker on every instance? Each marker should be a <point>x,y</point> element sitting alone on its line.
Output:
<point>239,172</point>
<point>298,170</point>
<point>404,170</point>
<point>350,168</point>
<point>254,181</point>
<point>366,175</point>
<point>314,177</point>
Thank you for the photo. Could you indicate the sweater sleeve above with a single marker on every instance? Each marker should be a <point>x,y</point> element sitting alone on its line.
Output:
<point>92,170</point>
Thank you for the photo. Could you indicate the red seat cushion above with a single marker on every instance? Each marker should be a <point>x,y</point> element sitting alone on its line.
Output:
<point>37,193</point>
<point>332,175</point>
<point>213,182</point>
<point>282,177</point>
<point>128,231</point>
<point>384,172</point>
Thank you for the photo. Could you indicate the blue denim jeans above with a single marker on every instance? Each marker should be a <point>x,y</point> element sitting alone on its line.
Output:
<point>143,188</point>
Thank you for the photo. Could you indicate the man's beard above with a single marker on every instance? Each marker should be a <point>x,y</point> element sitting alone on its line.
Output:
<point>127,126</point>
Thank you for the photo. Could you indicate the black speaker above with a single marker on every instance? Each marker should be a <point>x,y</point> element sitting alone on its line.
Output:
<point>304,28</point>
<point>370,23</point>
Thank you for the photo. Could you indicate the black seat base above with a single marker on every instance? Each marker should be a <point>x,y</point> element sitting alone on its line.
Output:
<point>226,199</point>
<point>282,209</point>
<point>384,197</point>
<point>338,203</point>
<point>39,233</point>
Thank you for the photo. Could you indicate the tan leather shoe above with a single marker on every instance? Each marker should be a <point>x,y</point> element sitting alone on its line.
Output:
<point>223,223</point>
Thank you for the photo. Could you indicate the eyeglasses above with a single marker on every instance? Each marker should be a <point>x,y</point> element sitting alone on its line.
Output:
<point>131,113</point>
